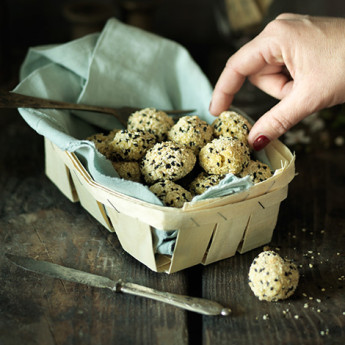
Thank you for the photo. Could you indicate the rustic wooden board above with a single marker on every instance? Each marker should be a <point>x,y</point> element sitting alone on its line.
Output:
<point>38,221</point>
<point>311,231</point>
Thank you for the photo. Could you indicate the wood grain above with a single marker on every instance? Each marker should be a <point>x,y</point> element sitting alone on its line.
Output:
<point>38,221</point>
<point>310,231</point>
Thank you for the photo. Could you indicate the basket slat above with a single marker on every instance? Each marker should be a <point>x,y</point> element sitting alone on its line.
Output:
<point>88,202</point>
<point>58,172</point>
<point>226,239</point>
<point>260,228</point>
<point>135,237</point>
<point>190,247</point>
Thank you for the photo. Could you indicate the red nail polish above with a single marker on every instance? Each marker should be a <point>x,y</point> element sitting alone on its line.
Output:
<point>260,142</point>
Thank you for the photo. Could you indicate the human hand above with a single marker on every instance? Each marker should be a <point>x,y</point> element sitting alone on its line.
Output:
<point>297,59</point>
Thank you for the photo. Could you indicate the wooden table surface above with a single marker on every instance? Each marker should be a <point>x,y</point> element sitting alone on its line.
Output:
<point>36,220</point>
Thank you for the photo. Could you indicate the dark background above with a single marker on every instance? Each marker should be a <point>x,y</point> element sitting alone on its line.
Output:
<point>25,23</point>
<point>38,221</point>
<point>202,26</point>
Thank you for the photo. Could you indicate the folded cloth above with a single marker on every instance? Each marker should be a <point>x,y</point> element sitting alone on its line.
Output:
<point>122,65</point>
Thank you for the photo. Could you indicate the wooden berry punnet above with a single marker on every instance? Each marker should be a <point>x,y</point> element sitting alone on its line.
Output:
<point>208,230</point>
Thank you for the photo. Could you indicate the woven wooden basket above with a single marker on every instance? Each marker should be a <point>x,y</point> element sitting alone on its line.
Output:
<point>208,231</point>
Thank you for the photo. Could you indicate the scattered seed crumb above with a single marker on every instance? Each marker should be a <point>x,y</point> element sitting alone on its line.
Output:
<point>304,294</point>
<point>296,317</point>
<point>338,253</point>
<point>318,310</point>
<point>311,298</point>
<point>323,289</point>
<point>285,312</point>
<point>306,305</point>
<point>310,265</point>
<point>326,332</point>
<point>311,233</point>
<point>304,230</point>
<point>265,317</point>
<point>322,231</point>
<point>294,236</point>
<point>318,300</point>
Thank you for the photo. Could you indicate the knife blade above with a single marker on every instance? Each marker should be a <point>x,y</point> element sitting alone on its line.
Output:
<point>195,304</point>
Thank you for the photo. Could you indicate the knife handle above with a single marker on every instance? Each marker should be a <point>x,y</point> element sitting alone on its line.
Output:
<point>198,305</point>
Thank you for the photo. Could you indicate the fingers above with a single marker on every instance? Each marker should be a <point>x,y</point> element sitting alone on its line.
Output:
<point>273,80</point>
<point>244,62</point>
<point>229,82</point>
<point>278,120</point>
<point>309,48</point>
<point>290,16</point>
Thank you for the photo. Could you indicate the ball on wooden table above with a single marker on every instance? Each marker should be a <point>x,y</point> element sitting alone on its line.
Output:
<point>272,278</point>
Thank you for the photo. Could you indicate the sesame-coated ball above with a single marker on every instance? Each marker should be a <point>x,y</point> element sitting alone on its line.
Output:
<point>150,120</point>
<point>224,155</point>
<point>203,182</point>
<point>167,161</point>
<point>128,170</point>
<point>131,145</point>
<point>272,278</point>
<point>257,170</point>
<point>231,124</point>
<point>101,142</point>
<point>171,193</point>
<point>192,132</point>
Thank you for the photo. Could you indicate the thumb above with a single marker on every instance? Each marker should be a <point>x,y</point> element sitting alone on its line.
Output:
<point>278,120</point>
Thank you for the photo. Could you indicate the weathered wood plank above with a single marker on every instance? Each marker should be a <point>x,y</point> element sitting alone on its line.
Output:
<point>38,221</point>
<point>310,230</point>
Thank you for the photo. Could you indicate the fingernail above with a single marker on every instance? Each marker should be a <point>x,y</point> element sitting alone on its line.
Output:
<point>260,142</point>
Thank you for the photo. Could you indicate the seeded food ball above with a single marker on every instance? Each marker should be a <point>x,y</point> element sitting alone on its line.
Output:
<point>167,161</point>
<point>128,170</point>
<point>272,278</point>
<point>171,193</point>
<point>203,182</point>
<point>101,142</point>
<point>192,132</point>
<point>112,133</point>
<point>131,145</point>
<point>231,124</point>
<point>257,170</point>
<point>152,121</point>
<point>224,155</point>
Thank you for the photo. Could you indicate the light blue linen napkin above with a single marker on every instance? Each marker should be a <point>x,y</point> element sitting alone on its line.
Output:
<point>122,65</point>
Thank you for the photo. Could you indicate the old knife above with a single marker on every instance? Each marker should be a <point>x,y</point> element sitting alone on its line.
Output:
<point>195,304</point>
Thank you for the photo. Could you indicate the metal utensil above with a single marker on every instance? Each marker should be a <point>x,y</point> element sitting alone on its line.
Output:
<point>198,305</point>
<point>16,100</point>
